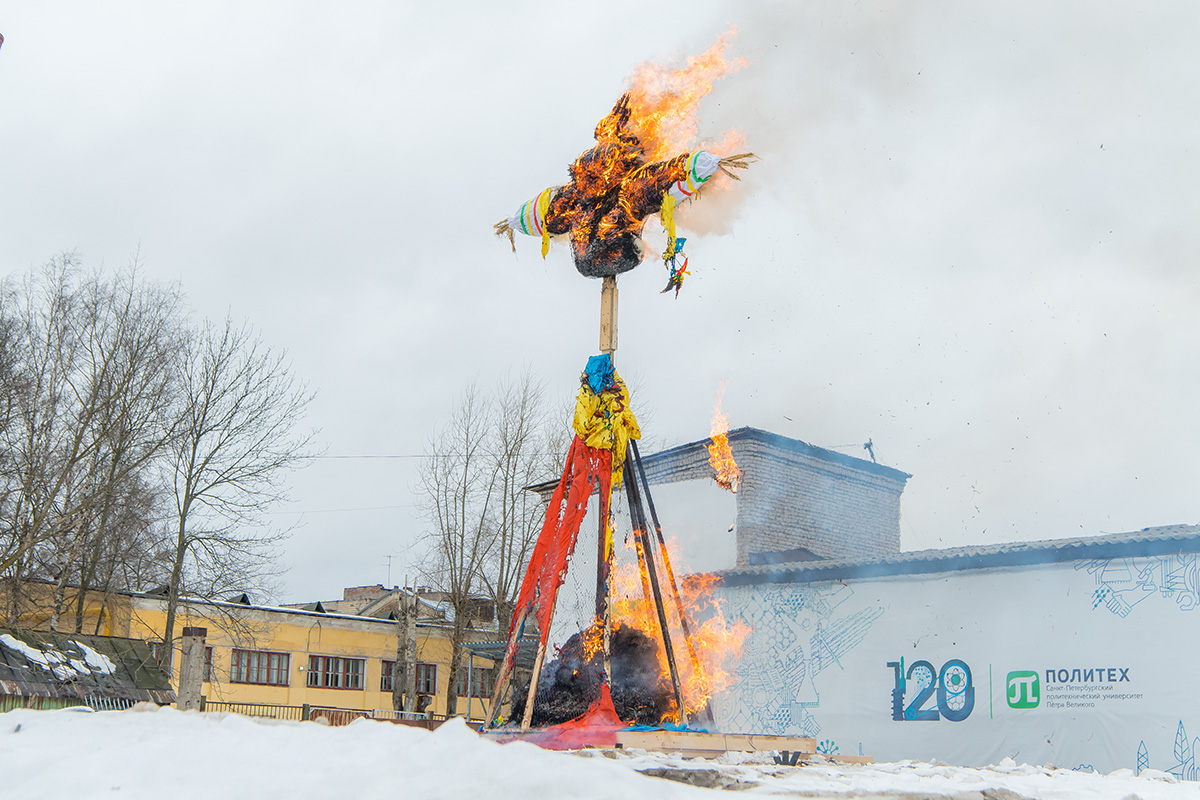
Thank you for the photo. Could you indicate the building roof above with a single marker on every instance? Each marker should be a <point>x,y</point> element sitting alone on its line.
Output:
<point>526,651</point>
<point>47,664</point>
<point>778,442</point>
<point>423,621</point>
<point>1164,540</point>
<point>385,608</point>
<point>658,464</point>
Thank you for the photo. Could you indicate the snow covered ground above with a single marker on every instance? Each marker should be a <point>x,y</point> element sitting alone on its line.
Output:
<point>167,753</point>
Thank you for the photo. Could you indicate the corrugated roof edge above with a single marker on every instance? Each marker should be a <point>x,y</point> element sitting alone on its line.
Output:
<point>1163,540</point>
<point>765,437</point>
<point>195,601</point>
<point>800,446</point>
<point>135,675</point>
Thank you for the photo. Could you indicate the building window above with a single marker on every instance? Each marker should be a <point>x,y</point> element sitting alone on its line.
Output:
<point>335,672</point>
<point>426,678</point>
<point>481,682</point>
<point>256,666</point>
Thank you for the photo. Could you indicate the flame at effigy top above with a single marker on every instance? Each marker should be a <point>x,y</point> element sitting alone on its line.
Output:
<point>625,178</point>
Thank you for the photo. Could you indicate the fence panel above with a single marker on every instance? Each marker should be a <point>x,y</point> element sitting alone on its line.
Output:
<point>268,710</point>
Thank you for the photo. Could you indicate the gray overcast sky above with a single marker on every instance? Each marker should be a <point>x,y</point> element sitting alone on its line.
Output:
<point>972,236</point>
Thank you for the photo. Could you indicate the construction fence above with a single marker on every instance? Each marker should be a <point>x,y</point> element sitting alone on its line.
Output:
<point>326,714</point>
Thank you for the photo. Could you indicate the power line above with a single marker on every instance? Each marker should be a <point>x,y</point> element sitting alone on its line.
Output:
<point>339,510</point>
<point>426,455</point>
<point>378,456</point>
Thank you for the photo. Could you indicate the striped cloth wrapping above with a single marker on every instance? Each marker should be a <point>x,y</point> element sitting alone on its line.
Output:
<point>531,218</point>
<point>700,167</point>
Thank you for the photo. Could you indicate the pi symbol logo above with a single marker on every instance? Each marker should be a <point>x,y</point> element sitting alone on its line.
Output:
<point>1024,689</point>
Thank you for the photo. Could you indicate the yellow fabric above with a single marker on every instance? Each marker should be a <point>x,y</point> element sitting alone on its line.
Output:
<point>606,421</point>
<point>543,208</point>
<point>668,222</point>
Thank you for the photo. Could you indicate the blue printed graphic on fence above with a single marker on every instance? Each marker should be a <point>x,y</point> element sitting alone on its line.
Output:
<point>1185,754</point>
<point>798,631</point>
<point>1123,583</point>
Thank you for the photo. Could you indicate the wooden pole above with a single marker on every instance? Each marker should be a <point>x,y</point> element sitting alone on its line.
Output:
<point>191,669</point>
<point>683,617</point>
<point>506,667</point>
<point>608,315</point>
<point>410,650</point>
<point>608,344</point>
<point>527,717</point>
<point>604,588</point>
<point>639,529</point>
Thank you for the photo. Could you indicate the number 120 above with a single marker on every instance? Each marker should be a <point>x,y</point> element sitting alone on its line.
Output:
<point>955,691</point>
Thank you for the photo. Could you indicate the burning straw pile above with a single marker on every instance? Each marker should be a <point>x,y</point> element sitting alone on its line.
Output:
<point>570,684</point>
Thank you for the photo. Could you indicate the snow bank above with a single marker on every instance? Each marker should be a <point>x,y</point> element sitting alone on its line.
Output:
<point>56,754</point>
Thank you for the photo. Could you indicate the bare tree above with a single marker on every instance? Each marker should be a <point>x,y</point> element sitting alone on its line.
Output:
<point>473,489</point>
<point>93,377</point>
<point>109,407</point>
<point>237,438</point>
<point>134,333</point>
<point>457,484</point>
<point>527,445</point>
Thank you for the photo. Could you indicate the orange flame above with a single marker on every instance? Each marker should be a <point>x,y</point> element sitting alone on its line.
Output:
<point>664,100</point>
<point>720,455</point>
<point>717,643</point>
<point>623,179</point>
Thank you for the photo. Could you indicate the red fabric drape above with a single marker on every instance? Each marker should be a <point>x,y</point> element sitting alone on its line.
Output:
<point>586,470</point>
<point>596,728</point>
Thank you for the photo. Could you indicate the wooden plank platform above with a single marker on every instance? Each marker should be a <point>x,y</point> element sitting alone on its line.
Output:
<point>837,759</point>
<point>699,744</point>
<point>710,745</point>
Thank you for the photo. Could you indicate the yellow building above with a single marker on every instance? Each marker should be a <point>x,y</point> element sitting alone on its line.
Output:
<point>300,656</point>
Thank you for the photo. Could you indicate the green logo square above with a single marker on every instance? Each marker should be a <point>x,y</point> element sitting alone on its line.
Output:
<point>1024,689</point>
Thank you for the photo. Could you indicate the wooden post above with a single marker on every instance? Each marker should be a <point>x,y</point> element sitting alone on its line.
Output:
<point>608,344</point>
<point>412,605</point>
<point>470,677</point>
<point>404,674</point>
<point>604,586</point>
<point>527,717</point>
<point>608,315</point>
<point>531,696</point>
<point>191,669</point>
<point>640,532</point>
<point>636,458</point>
<point>506,667</point>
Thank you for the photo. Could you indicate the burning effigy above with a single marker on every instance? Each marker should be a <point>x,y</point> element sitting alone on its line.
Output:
<point>656,648</point>
<point>633,171</point>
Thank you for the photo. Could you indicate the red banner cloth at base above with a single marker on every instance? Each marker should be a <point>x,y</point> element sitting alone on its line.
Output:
<point>596,728</point>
